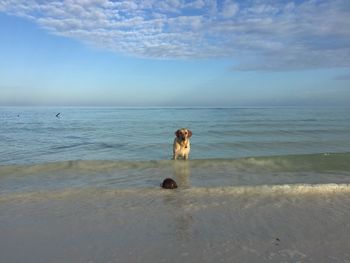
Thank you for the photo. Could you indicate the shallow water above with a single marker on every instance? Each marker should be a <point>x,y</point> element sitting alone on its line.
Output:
<point>35,135</point>
<point>274,170</point>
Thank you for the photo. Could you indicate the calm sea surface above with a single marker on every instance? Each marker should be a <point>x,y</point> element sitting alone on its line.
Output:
<point>36,135</point>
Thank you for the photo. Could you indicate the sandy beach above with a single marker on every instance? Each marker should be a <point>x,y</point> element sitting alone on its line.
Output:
<point>305,224</point>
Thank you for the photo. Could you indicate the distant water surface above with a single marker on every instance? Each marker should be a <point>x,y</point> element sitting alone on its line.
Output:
<point>36,135</point>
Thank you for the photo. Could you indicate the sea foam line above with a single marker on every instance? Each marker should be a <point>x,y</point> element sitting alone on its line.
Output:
<point>284,189</point>
<point>262,190</point>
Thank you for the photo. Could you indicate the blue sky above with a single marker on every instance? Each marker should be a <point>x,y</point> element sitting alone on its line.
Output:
<point>174,53</point>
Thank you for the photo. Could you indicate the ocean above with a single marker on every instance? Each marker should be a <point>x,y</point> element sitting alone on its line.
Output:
<point>36,135</point>
<point>268,184</point>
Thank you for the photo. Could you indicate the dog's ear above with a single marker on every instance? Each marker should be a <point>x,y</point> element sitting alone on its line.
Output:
<point>177,133</point>
<point>189,133</point>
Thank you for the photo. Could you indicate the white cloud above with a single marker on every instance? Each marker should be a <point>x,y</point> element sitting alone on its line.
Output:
<point>198,4</point>
<point>261,35</point>
<point>229,9</point>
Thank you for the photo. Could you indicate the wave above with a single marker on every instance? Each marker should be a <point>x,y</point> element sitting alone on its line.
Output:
<point>277,173</point>
<point>288,163</point>
<point>317,162</point>
<point>293,189</point>
<point>283,163</point>
<point>297,190</point>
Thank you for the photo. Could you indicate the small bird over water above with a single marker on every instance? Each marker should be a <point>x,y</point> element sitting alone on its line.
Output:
<point>58,115</point>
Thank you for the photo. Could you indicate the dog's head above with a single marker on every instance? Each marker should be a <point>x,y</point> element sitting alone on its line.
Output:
<point>183,134</point>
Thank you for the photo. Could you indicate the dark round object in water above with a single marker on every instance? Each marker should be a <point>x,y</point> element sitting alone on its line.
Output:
<point>169,183</point>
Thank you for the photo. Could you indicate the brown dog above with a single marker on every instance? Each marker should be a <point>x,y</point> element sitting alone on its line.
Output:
<point>181,147</point>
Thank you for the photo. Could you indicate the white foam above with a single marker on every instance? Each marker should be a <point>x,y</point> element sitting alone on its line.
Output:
<point>290,189</point>
<point>263,190</point>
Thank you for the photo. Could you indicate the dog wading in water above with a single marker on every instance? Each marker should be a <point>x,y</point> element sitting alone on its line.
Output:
<point>181,147</point>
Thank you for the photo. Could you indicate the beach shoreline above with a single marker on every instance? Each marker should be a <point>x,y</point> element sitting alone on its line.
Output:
<point>261,185</point>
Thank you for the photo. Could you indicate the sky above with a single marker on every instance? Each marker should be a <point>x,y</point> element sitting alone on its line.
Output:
<point>205,53</point>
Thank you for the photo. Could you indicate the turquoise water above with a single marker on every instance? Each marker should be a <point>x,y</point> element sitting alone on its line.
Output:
<point>131,147</point>
<point>35,135</point>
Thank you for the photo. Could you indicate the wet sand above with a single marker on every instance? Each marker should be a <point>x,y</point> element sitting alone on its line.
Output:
<point>183,225</point>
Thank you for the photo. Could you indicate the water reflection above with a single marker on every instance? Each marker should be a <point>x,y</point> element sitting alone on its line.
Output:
<point>182,173</point>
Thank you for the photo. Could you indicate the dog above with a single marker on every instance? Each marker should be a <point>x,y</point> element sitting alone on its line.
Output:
<point>181,146</point>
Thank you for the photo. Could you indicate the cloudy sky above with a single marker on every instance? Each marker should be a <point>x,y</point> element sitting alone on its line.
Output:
<point>175,52</point>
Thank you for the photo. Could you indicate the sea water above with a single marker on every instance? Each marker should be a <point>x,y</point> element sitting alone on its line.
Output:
<point>36,135</point>
<point>261,185</point>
